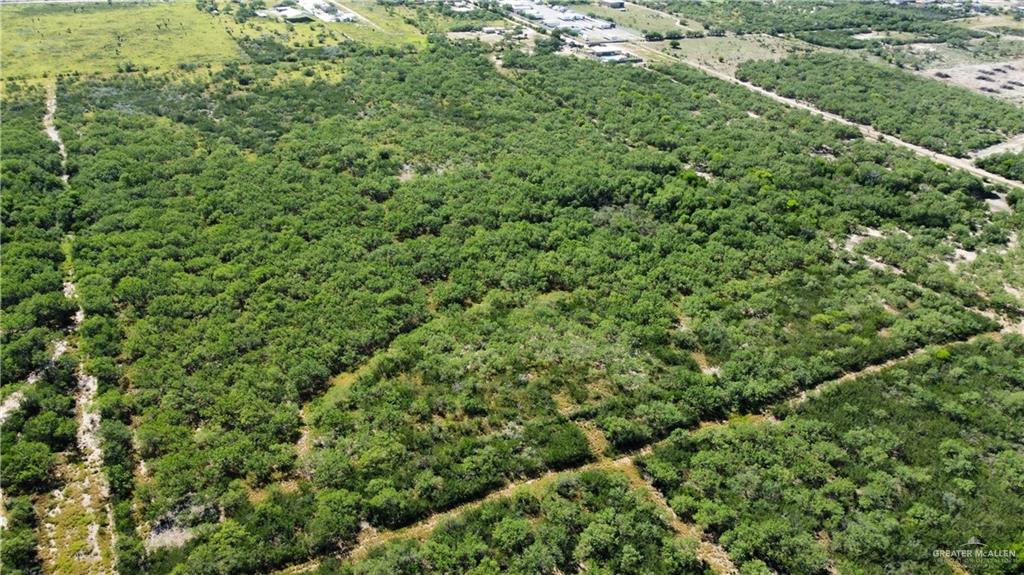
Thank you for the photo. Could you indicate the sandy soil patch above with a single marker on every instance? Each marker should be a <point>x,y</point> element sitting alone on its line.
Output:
<point>10,405</point>
<point>491,39</point>
<point>1000,79</point>
<point>705,367</point>
<point>998,204</point>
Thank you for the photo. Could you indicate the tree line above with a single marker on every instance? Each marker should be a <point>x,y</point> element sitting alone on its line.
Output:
<point>1008,164</point>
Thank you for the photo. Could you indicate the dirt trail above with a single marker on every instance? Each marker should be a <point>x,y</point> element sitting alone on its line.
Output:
<point>867,131</point>
<point>372,538</point>
<point>101,535</point>
<point>711,553</point>
<point>641,48</point>
<point>51,129</point>
<point>13,401</point>
<point>803,396</point>
<point>305,442</point>
<point>714,555</point>
<point>753,418</point>
<point>86,480</point>
<point>358,15</point>
<point>77,519</point>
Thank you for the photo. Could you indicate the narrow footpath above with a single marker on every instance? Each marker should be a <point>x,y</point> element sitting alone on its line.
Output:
<point>1007,328</point>
<point>77,524</point>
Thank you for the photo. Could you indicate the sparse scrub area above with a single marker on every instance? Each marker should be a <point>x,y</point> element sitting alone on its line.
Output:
<point>726,53</point>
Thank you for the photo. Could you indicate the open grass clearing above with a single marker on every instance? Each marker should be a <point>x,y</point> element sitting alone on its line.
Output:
<point>376,27</point>
<point>726,53</point>
<point>388,26</point>
<point>991,22</point>
<point>641,19</point>
<point>41,40</point>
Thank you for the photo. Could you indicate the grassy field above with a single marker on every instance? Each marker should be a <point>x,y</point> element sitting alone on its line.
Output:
<point>992,22</point>
<point>639,18</point>
<point>46,40</point>
<point>727,52</point>
<point>40,40</point>
<point>377,26</point>
<point>387,26</point>
<point>431,20</point>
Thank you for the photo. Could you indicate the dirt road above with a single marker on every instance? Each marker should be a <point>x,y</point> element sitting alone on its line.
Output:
<point>1014,144</point>
<point>866,131</point>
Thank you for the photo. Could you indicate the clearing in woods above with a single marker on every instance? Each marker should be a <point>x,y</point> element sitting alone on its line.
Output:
<point>726,53</point>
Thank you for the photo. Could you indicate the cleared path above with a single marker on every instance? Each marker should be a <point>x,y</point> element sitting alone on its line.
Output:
<point>713,554</point>
<point>805,395</point>
<point>78,519</point>
<point>1014,144</point>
